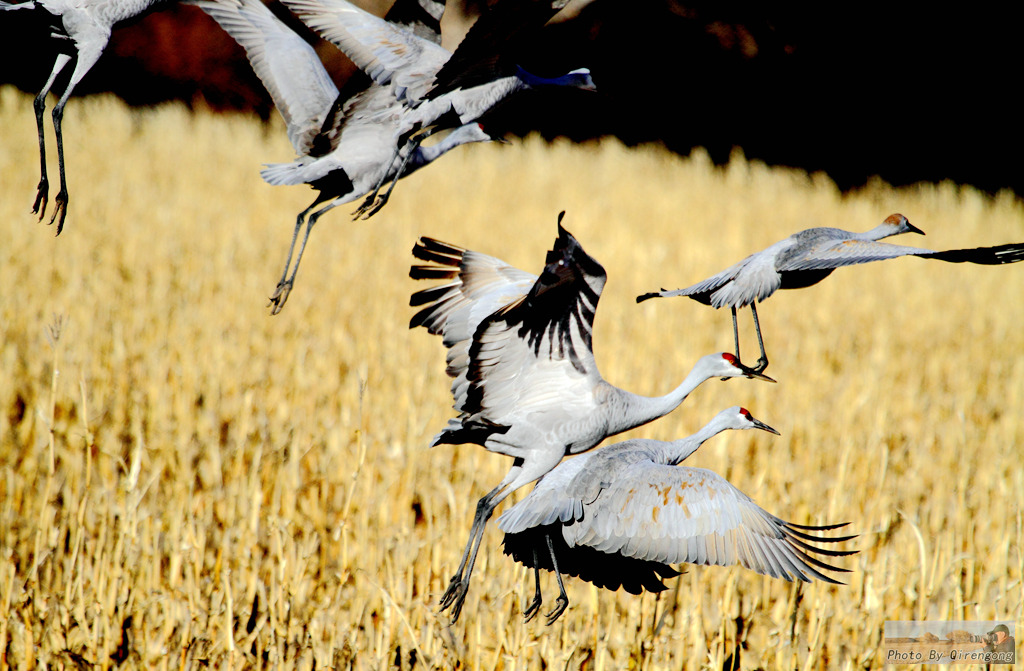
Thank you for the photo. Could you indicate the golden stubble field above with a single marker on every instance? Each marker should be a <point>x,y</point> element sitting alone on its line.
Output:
<point>171,455</point>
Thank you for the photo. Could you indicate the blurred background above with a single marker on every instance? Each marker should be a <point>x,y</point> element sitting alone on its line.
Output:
<point>903,93</point>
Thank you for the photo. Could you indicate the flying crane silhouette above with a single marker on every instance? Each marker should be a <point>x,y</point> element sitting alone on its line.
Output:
<point>806,258</point>
<point>525,381</point>
<point>621,515</point>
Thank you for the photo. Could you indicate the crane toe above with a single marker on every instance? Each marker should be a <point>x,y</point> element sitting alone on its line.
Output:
<point>561,603</point>
<point>60,211</point>
<point>455,596</point>
<point>42,197</point>
<point>531,610</point>
<point>280,296</point>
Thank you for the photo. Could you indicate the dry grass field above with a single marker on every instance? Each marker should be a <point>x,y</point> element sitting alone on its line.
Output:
<point>171,455</point>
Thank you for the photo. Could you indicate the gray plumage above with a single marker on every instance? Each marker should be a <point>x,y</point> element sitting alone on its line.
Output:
<point>410,67</point>
<point>630,506</point>
<point>525,381</point>
<point>345,148</point>
<point>805,258</point>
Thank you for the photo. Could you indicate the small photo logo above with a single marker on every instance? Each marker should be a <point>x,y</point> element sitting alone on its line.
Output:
<point>945,642</point>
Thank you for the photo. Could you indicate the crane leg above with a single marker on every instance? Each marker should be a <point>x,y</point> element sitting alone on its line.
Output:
<point>39,104</point>
<point>412,145</point>
<point>455,595</point>
<point>84,59</point>
<point>762,362</point>
<point>563,600</point>
<point>534,606</point>
<point>736,334</point>
<point>735,337</point>
<point>60,203</point>
<point>284,287</point>
<point>372,197</point>
<point>520,474</point>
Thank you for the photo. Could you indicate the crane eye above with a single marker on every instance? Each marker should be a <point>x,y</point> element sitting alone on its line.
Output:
<point>729,357</point>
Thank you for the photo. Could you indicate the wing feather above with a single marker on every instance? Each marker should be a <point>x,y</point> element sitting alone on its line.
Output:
<point>676,514</point>
<point>847,252</point>
<point>605,571</point>
<point>541,343</point>
<point>478,286</point>
<point>389,55</point>
<point>287,65</point>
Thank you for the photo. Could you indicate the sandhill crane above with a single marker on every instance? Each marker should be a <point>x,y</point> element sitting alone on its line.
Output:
<point>81,30</point>
<point>622,514</point>
<point>471,82</point>
<point>808,257</point>
<point>345,147</point>
<point>525,380</point>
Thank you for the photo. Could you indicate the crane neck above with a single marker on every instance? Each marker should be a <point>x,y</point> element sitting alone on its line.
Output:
<point>639,410</point>
<point>883,230</point>
<point>431,152</point>
<point>678,450</point>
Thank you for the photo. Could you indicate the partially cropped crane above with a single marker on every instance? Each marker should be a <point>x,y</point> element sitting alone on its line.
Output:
<point>456,91</point>
<point>525,380</point>
<point>80,29</point>
<point>808,257</point>
<point>345,147</point>
<point>621,515</point>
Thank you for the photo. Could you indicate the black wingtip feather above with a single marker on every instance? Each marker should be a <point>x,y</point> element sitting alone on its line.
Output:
<point>432,273</point>
<point>822,551</point>
<point>435,251</point>
<point>986,256</point>
<point>825,527</point>
<point>429,295</point>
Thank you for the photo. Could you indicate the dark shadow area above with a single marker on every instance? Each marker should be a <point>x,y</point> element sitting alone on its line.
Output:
<point>900,94</point>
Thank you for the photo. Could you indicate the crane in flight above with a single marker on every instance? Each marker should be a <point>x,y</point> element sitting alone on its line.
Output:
<point>80,29</point>
<point>345,145</point>
<point>621,515</point>
<point>441,90</point>
<point>525,381</point>
<point>806,258</point>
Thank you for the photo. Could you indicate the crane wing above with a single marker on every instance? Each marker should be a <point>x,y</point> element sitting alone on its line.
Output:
<point>419,17</point>
<point>389,55</point>
<point>847,252</point>
<point>478,286</point>
<point>487,52</point>
<point>527,354</point>
<point>989,256</point>
<point>670,514</point>
<point>608,571</point>
<point>287,65</point>
<point>829,252</point>
<point>548,502</point>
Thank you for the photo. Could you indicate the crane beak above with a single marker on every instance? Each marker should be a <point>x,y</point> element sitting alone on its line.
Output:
<point>754,375</point>
<point>758,424</point>
<point>913,229</point>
